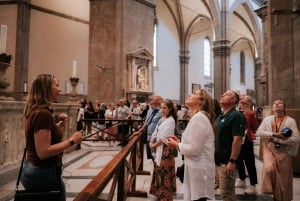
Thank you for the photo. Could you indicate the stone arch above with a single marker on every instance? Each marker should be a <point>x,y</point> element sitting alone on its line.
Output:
<point>254,22</point>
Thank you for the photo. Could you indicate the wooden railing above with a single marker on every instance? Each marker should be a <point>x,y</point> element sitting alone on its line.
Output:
<point>120,172</point>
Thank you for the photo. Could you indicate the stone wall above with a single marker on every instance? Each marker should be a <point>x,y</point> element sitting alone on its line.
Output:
<point>12,140</point>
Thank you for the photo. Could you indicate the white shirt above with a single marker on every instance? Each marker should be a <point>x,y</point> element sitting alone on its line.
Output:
<point>197,145</point>
<point>162,131</point>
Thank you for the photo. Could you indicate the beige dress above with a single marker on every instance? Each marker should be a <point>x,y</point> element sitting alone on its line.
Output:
<point>277,172</point>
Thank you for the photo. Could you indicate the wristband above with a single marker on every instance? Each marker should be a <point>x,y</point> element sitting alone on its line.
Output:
<point>71,142</point>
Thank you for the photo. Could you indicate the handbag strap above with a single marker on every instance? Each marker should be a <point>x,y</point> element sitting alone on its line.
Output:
<point>20,171</point>
<point>24,153</point>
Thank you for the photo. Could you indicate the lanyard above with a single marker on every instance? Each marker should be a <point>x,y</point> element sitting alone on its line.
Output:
<point>276,125</point>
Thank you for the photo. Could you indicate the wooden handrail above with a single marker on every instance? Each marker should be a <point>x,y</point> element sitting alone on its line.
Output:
<point>119,171</point>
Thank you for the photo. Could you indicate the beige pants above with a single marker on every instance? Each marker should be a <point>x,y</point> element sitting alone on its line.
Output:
<point>226,184</point>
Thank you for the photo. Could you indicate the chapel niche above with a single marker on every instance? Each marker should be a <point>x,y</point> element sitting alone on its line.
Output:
<point>140,65</point>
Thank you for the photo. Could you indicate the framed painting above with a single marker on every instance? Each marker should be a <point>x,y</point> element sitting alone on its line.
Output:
<point>195,87</point>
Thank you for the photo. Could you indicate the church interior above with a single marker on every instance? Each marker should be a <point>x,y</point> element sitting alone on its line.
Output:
<point>104,50</point>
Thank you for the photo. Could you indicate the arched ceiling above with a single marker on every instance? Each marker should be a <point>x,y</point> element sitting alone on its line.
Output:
<point>191,16</point>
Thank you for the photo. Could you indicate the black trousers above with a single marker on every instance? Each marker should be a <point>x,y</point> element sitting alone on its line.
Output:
<point>247,159</point>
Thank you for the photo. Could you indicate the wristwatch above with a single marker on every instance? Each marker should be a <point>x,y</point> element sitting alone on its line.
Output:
<point>71,142</point>
<point>232,160</point>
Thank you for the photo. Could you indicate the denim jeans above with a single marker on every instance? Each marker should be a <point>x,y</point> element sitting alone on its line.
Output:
<point>226,184</point>
<point>43,179</point>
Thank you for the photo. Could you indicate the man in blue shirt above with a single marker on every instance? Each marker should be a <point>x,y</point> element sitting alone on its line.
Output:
<point>152,118</point>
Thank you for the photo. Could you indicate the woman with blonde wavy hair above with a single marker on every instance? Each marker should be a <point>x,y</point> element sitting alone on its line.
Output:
<point>197,147</point>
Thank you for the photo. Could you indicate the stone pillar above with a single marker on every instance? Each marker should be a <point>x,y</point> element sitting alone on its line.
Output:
<point>262,73</point>
<point>222,52</point>
<point>281,74</point>
<point>22,45</point>
<point>221,67</point>
<point>116,29</point>
<point>281,58</point>
<point>184,62</point>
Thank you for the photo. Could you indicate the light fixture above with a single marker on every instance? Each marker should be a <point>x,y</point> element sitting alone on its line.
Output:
<point>102,68</point>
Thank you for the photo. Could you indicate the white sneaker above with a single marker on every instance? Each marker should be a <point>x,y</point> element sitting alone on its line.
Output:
<point>240,184</point>
<point>250,190</point>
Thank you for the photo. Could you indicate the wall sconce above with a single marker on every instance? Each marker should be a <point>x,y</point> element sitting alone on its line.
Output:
<point>103,68</point>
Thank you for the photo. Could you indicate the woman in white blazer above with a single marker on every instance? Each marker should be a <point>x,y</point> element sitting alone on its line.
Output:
<point>197,147</point>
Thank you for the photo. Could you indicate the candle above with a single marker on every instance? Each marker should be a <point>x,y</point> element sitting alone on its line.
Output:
<point>74,68</point>
<point>3,35</point>
<point>25,87</point>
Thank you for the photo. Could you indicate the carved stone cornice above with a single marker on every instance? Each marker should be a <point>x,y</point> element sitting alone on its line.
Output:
<point>262,12</point>
<point>221,47</point>
<point>184,57</point>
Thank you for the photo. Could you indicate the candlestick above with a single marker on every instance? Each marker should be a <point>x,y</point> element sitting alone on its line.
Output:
<point>74,68</point>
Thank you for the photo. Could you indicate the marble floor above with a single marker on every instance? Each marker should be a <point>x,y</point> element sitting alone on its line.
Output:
<point>82,165</point>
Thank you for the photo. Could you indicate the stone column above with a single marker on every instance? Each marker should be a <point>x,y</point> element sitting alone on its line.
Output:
<point>184,62</point>
<point>222,52</point>
<point>221,67</point>
<point>22,45</point>
<point>116,29</point>
<point>281,74</point>
<point>262,73</point>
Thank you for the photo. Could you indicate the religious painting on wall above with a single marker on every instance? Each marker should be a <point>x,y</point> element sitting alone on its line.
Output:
<point>195,87</point>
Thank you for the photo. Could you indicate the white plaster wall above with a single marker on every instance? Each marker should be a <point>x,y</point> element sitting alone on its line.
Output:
<point>166,78</point>
<point>53,45</point>
<point>235,71</point>
<point>196,63</point>
<point>195,70</point>
<point>78,8</point>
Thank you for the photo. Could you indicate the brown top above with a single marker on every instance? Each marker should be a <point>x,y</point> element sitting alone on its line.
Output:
<point>41,118</point>
<point>251,124</point>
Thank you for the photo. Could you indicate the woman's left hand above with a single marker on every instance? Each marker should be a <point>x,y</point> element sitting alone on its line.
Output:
<point>279,135</point>
<point>62,119</point>
<point>172,141</point>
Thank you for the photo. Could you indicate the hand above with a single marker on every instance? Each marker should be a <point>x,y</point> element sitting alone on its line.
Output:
<point>279,135</point>
<point>77,137</point>
<point>62,116</point>
<point>61,120</point>
<point>230,169</point>
<point>173,141</point>
<point>174,138</point>
<point>152,146</point>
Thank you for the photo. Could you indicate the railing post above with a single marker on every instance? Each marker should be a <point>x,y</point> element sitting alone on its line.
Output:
<point>121,182</point>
